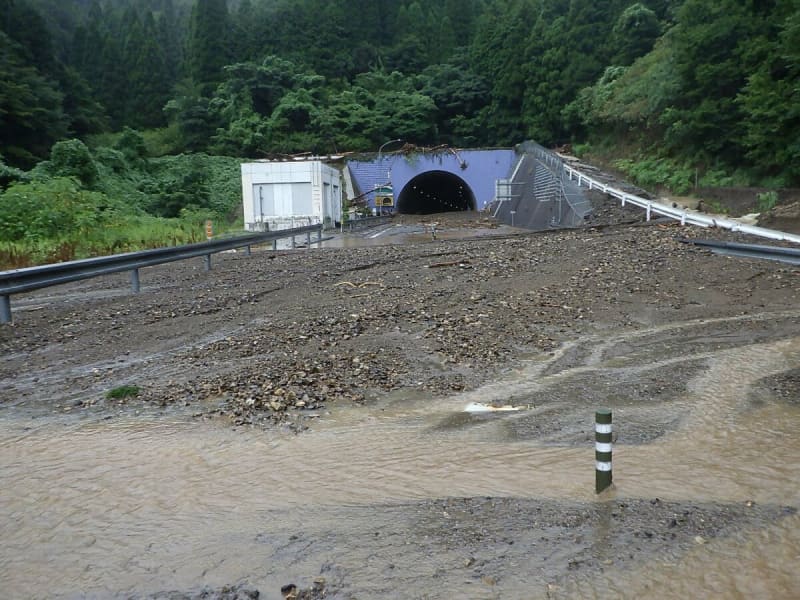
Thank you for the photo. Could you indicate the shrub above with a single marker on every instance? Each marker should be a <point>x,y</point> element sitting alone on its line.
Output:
<point>767,201</point>
<point>132,145</point>
<point>123,391</point>
<point>9,175</point>
<point>718,208</point>
<point>71,158</point>
<point>56,210</point>
<point>658,172</point>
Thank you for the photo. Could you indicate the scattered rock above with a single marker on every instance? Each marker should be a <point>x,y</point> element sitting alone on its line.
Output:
<point>228,592</point>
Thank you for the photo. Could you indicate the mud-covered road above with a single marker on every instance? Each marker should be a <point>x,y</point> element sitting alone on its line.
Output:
<point>316,396</point>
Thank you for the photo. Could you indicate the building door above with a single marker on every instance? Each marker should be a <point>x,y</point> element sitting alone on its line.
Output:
<point>263,204</point>
<point>283,199</point>
<point>327,212</point>
<point>336,204</point>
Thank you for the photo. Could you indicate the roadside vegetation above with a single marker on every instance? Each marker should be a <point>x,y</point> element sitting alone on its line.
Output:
<point>83,202</point>
<point>122,122</point>
<point>122,392</point>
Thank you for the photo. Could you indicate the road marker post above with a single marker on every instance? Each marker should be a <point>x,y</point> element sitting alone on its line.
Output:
<point>602,449</point>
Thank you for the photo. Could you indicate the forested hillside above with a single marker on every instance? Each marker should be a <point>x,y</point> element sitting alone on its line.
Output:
<point>677,91</point>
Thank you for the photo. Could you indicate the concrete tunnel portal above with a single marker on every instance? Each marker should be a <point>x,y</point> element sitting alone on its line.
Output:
<point>435,192</point>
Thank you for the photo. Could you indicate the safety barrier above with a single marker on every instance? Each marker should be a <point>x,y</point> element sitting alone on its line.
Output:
<point>776,253</point>
<point>651,207</point>
<point>33,278</point>
<point>365,222</point>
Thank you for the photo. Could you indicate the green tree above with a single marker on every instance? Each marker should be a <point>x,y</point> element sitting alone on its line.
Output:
<point>498,54</point>
<point>31,116</point>
<point>25,26</point>
<point>208,43</point>
<point>568,49</point>
<point>462,15</point>
<point>771,98</point>
<point>400,110</point>
<point>170,37</point>
<point>245,31</point>
<point>628,103</point>
<point>711,41</point>
<point>149,86</point>
<point>88,42</point>
<point>259,105</point>
<point>460,95</point>
<point>634,33</point>
<point>347,121</point>
<point>84,114</point>
<point>190,112</point>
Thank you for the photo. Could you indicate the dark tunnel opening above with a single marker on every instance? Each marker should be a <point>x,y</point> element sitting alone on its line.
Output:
<point>435,192</point>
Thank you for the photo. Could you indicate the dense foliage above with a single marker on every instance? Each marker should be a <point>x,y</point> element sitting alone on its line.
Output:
<point>679,90</point>
<point>82,202</point>
<point>711,84</point>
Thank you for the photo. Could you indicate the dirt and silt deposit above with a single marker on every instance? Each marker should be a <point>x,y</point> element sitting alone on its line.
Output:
<point>301,421</point>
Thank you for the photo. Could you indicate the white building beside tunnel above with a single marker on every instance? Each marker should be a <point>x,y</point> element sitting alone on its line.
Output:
<point>286,194</point>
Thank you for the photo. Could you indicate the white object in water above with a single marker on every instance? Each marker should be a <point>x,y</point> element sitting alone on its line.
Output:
<point>478,407</point>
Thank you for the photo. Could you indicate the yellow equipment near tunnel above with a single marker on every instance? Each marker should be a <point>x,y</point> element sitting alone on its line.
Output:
<point>384,196</point>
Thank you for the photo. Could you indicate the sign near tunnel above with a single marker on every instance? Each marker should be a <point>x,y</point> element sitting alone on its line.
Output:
<point>384,196</point>
<point>425,182</point>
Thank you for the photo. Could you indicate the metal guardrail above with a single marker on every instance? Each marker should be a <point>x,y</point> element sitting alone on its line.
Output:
<point>33,278</point>
<point>777,253</point>
<point>679,214</point>
<point>365,222</point>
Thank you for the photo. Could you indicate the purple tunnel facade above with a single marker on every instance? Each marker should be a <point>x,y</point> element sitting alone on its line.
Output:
<point>431,182</point>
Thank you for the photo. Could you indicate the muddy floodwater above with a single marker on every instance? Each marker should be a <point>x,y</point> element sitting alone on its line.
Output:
<point>379,484</point>
<point>139,505</point>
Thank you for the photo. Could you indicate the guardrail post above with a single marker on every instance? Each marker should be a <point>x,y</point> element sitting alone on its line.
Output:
<point>294,242</point>
<point>602,449</point>
<point>247,250</point>
<point>207,261</point>
<point>649,206</point>
<point>274,245</point>
<point>5,309</point>
<point>135,281</point>
<point>308,240</point>
<point>319,235</point>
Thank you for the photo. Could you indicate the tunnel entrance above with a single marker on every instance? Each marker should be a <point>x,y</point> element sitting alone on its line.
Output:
<point>435,192</point>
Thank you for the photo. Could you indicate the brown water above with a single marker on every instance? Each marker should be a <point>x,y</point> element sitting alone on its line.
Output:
<point>97,509</point>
